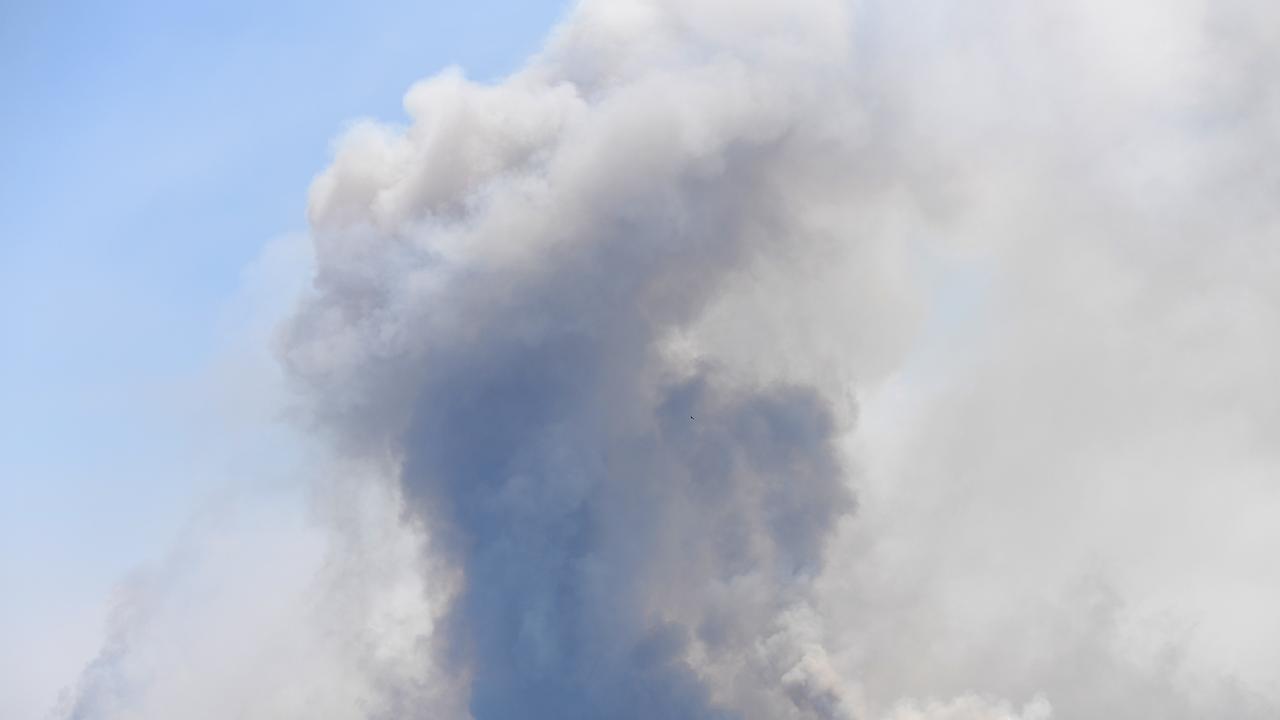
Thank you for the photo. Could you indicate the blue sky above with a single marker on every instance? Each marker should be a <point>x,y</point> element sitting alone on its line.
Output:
<point>151,150</point>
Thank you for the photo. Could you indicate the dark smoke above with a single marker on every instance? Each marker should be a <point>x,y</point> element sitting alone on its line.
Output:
<point>625,520</point>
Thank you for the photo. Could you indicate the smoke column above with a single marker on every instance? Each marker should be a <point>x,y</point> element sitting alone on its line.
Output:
<point>504,285</point>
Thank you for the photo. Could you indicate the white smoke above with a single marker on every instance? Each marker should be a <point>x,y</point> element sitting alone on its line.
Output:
<point>629,330</point>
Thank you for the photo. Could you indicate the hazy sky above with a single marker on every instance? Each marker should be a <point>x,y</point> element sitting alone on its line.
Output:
<point>818,359</point>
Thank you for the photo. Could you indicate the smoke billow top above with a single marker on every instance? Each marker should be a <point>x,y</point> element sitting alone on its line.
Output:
<point>814,360</point>
<point>503,289</point>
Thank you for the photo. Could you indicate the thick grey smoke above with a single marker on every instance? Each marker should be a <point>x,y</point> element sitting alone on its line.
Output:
<point>541,299</point>
<point>499,291</point>
<point>602,325</point>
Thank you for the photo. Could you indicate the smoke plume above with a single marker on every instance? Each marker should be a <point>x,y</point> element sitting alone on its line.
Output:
<point>628,328</point>
<point>501,292</point>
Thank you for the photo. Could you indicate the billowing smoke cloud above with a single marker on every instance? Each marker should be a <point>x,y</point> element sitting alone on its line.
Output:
<point>603,323</point>
<point>500,292</point>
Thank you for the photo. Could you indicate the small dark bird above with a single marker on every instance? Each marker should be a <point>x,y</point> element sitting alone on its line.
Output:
<point>690,417</point>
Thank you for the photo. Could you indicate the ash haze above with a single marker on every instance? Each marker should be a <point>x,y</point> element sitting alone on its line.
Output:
<point>977,309</point>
